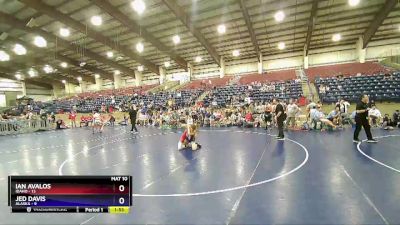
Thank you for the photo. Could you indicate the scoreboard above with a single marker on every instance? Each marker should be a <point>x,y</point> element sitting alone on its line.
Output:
<point>70,194</point>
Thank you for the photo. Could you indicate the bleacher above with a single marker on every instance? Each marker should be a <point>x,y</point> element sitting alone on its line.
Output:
<point>263,88</point>
<point>160,99</point>
<point>257,93</point>
<point>207,83</point>
<point>378,86</point>
<point>116,92</point>
<point>93,100</point>
<point>346,69</point>
<point>282,75</point>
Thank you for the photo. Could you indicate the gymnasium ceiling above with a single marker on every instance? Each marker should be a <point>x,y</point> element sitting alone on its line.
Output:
<point>250,28</point>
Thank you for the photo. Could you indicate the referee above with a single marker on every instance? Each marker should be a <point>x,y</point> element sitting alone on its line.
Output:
<point>132,114</point>
<point>361,119</point>
<point>280,117</point>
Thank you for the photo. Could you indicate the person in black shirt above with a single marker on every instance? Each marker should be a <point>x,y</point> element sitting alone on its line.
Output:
<point>132,114</point>
<point>361,119</point>
<point>396,118</point>
<point>280,116</point>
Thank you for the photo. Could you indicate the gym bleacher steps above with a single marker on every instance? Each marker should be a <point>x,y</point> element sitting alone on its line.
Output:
<point>313,90</point>
<point>177,87</point>
<point>300,74</point>
<point>305,89</point>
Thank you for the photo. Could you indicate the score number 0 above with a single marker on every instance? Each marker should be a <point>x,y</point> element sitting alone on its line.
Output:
<point>121,200</point>
<point>121,188</point>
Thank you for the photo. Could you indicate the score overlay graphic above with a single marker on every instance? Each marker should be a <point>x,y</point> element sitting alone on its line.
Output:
<point>70,194</point>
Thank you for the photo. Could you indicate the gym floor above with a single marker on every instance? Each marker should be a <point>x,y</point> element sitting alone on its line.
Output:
<point>240,176</point>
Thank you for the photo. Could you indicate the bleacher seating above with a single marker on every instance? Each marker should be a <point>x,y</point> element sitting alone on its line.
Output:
<point>116,92</point>
<point>207,83</point>
<point>180,98</point>
<point>257,93</point>
<point>160,99</point>
<point>282,75</point>
<point>378,86</point>
<point>347,69</point>
<point>263,88</point>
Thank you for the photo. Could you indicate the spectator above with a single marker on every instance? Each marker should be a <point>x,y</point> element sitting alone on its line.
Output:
<point>388,123</point>
<point>83,121</point>
<point>72,118</point>
<point>374,116</point>
<point>309,107</point>
<point>318,116</point>
<point>292,110</point>
<point>112,119</point>
<point>280,117</point>
<point>396,117</point>
<point>335,116</point>
<point>60,124</point>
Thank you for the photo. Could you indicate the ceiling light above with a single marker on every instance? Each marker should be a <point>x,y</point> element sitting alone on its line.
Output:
<point>138,6</point>
<point>198,59</point>
<point>97,76</point>
<point>64,32</point>
<point>110,54</point>
<point>32,73</point>
<point>117,72</point>
<point>79,79</point>
<point>96,20</point>
<point>4,56</point>
<point>64,81</point>
<point>281,45</point>
<point>336,37</point>
<point>40,42</point>
<point>354,2</point>
<point>19,49</point>
<point>18,76</point>
<point>236,53</point>
<point>221,29</point>
<point>64,64</point>
<point>48,69</point>
<point>167,64</point>
<point>139,47</point>
<point>140,68</point>
<point>279,16</point>
<point>176,39</point>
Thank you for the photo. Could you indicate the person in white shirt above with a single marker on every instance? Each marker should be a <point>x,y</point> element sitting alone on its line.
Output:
<point>322,89</point>
<point>292,110</point>
<point>112,100</point>
<point>97,122</point>
<point>374,116</point>
<point>309,107</point>
<point>344,106</point>
<point>318,116</point>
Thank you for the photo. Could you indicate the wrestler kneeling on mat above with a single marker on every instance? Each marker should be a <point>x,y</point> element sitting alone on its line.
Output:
<point>188,138</point>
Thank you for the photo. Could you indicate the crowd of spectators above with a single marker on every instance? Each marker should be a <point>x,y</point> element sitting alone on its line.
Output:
<point>235,105</point>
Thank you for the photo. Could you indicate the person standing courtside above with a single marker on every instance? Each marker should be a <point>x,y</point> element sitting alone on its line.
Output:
<point>361,120</point>
<point>280,117</point>
<point>132,114</point>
